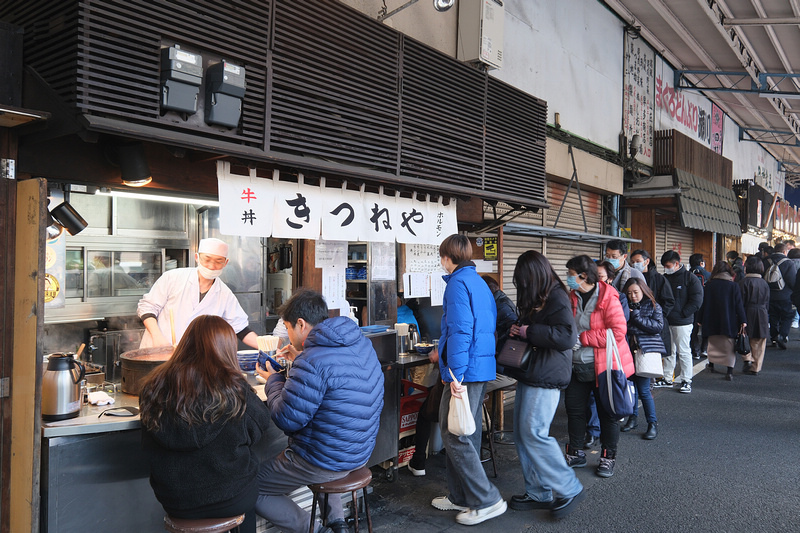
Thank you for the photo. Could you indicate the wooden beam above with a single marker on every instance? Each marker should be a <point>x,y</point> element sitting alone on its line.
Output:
<point>26,375</point>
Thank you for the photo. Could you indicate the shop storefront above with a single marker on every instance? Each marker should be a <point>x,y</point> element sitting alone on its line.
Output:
<point>194,110</point>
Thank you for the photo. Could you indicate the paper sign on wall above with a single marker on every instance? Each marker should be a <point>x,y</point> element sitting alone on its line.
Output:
<point>416,285</point>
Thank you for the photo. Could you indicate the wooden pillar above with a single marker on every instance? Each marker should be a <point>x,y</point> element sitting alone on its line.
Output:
<point>25,285</point>
<point>643,226</point>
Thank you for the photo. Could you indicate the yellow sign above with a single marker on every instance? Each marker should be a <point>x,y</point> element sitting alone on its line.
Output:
<point>490,248</point>
<point>51,288</point>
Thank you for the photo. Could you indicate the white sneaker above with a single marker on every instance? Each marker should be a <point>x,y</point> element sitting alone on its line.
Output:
<point>416,472</point>
<point>443,503</point>
<point>470,517</point>
<point>795,325</point>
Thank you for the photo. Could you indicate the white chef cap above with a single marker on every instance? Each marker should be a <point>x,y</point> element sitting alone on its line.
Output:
<point>213,247</point>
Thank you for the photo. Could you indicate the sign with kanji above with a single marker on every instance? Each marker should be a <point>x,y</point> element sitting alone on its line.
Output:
<point>257,207</point>
<point>490,248</point>
<point>247,202</point>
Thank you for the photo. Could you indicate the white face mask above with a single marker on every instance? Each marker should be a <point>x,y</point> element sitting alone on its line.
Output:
<point>671,270</point>
<point>639,265</point>
<point>208,273</point>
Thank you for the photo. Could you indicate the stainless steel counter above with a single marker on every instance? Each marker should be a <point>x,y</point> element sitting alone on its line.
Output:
<point>89,421</point>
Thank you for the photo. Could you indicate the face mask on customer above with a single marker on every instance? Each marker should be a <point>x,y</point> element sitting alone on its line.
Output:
<point>573,283</point>
<point>670,270</point>
<point>614,262</point>
<point>639,265</point>
<point>208,273</point>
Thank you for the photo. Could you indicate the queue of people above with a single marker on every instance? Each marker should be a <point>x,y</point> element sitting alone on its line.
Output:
<point>202,422</point>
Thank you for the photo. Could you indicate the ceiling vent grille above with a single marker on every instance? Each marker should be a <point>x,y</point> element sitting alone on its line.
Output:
<point>515,142</point>
<point>443,110</point>
<point>334,86</point>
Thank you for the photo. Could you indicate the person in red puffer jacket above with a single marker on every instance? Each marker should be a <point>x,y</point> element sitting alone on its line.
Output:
<point>596,308</point>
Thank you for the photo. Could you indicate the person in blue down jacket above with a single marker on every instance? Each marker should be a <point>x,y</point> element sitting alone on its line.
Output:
<point>466,349</point>
<point>644,334</point>
<point>329,405</point>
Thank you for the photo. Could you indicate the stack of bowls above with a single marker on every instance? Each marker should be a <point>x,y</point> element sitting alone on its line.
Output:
<point>247,359</point>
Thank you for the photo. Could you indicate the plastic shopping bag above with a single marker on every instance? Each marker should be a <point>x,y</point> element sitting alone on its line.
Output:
<point>459,419</point>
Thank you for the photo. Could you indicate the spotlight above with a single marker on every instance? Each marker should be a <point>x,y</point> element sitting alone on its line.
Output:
<point>443,5</point>
<point>130,158</point>
<point>63,216</point>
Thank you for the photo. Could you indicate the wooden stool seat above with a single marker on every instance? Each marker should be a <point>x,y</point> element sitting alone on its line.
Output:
<point>202,525</point>
<point>356,480</point>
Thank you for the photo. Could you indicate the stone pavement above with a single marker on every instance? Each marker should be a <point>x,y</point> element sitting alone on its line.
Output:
<point>727,458</point>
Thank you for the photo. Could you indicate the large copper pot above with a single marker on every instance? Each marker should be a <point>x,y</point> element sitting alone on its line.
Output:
<point>136,364</point>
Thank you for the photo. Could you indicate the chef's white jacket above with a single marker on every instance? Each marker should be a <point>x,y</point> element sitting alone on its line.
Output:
<point>179,290</point>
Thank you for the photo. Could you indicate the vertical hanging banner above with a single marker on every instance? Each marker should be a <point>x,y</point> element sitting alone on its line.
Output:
<point>717,128</point>
<point>245,203</point>
<point>342,215</point>
<point>297,211</point>
<point>381,211</point>
<point>639,94</point>
<point>443,220</point>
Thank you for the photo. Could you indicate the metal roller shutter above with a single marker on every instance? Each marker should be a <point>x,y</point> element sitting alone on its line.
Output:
<point>671,236</point>
<point>559,251</point>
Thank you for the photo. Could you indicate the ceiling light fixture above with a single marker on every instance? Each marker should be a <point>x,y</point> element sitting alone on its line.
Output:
<point>443,5</point>
<point>129,157</point>
<point>160,198</point>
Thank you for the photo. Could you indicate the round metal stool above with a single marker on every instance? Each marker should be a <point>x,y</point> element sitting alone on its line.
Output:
<point>352,482</point>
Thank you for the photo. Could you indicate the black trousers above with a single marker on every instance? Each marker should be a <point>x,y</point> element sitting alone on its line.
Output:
<point>576,398</point>
<point>245,504</point>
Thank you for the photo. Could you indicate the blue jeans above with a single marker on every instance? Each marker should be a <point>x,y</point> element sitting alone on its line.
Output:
<point>466,479</point>
<point>546,474</point>
<point>649,406</point>
<point>593,424</point>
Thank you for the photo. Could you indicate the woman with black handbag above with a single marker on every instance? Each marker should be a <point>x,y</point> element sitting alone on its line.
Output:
<point>723,316</point>
<point>644,332</point>
<point>547,325</point>
<point>755,294</point>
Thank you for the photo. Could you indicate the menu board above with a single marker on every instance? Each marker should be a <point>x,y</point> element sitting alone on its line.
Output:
<point>423,258</point>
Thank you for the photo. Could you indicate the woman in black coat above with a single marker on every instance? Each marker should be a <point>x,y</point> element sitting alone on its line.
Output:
<point>755,295</point>
<point>547,324</point>
<point>658,285</point>
<point>723,317</point>
<point>644,334</point>
<point>201,427</point>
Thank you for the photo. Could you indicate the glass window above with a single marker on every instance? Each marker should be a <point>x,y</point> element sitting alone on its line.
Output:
<point>149,215</point>
<point>74,278</point>
<point>122,273</point>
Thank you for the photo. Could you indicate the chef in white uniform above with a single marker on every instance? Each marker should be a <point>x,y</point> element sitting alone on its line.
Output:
<point>189,293</point>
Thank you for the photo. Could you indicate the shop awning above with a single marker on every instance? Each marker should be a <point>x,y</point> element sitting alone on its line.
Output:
<point>706,206</point>
<point>533,230</point>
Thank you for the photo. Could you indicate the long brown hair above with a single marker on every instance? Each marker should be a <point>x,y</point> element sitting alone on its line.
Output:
<point>534,279</point>
<point>642,286</point>
<point>201,382</point>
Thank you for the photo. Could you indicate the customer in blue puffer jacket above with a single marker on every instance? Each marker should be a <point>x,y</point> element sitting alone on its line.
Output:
<point>466,349</point>
<point>329,406</point>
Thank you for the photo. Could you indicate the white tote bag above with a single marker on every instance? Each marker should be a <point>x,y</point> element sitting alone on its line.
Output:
<point>648,364</point>
<point>460,420</point>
